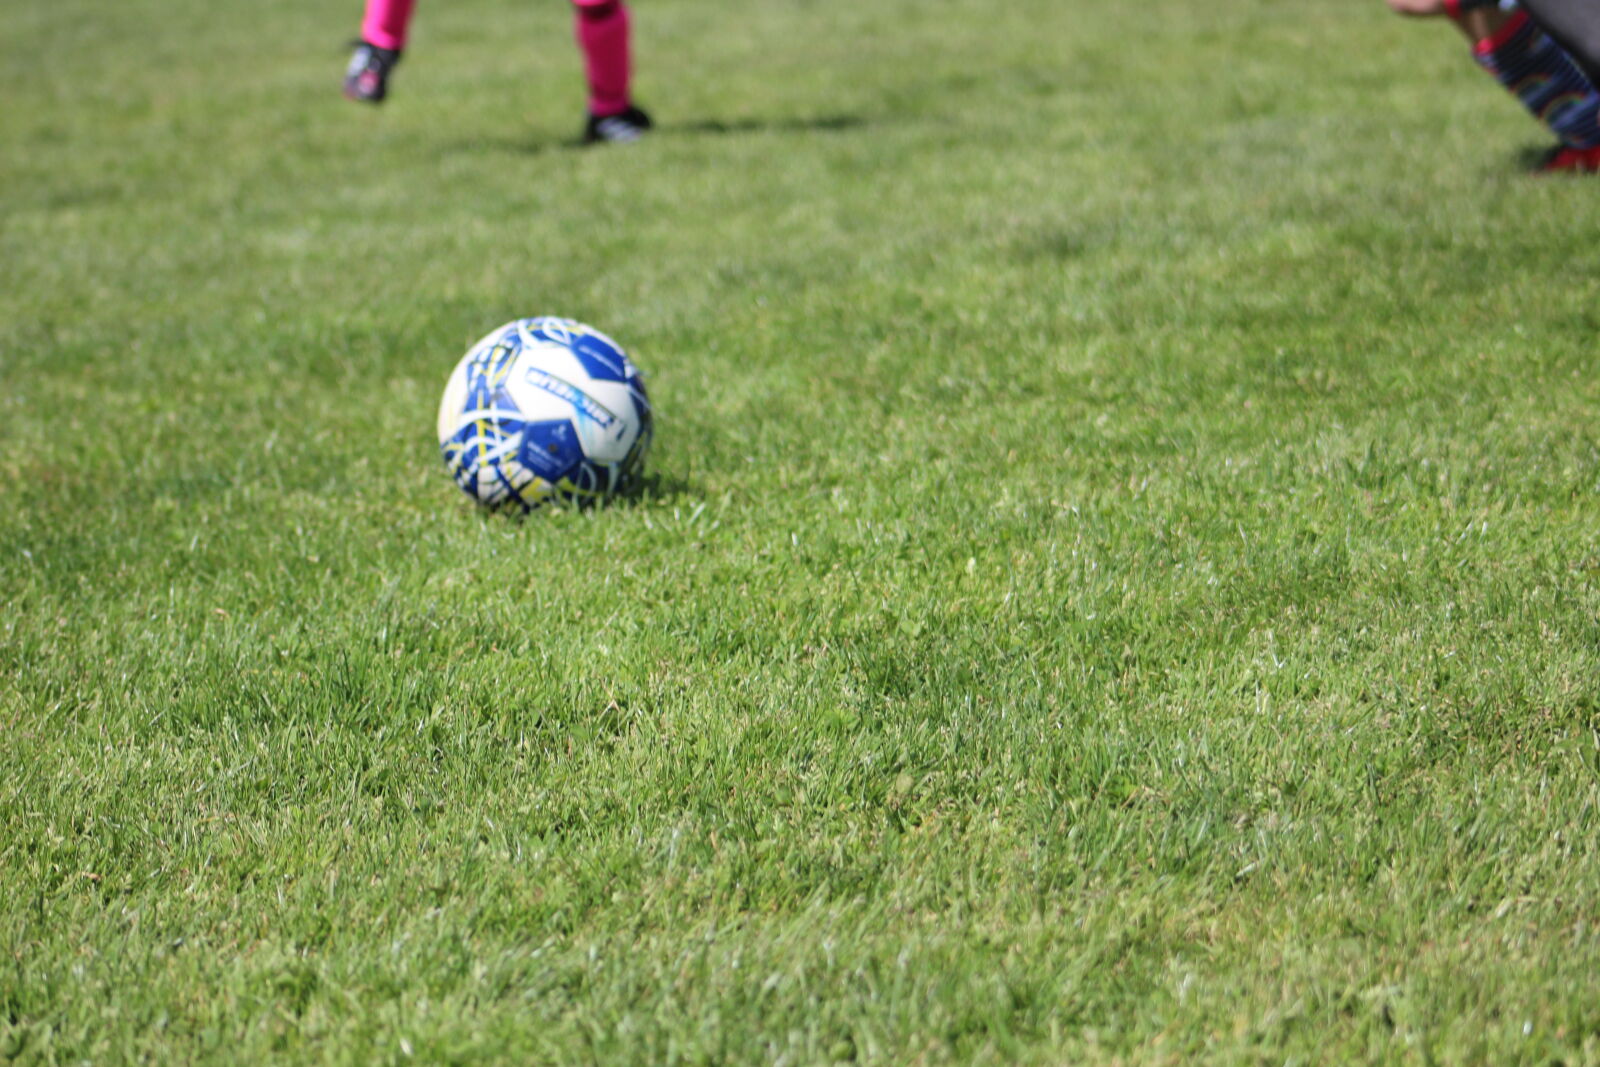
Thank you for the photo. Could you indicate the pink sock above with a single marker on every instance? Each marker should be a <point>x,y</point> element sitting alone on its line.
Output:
<point>386,23</point>
<point>603,36</point>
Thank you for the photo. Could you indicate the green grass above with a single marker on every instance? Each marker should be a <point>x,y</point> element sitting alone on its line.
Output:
<point>1119,584</point>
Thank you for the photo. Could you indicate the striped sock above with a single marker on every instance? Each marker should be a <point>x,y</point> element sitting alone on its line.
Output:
<point>1535,70</point>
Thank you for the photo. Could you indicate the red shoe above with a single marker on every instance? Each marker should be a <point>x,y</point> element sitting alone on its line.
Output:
<point>1564,159</point>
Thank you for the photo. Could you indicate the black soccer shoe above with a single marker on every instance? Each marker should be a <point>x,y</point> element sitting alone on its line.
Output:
<point>630,125</point>
<point>367,77</point>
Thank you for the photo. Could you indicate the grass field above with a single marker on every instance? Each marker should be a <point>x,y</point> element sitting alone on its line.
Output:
<point>1118,583</point>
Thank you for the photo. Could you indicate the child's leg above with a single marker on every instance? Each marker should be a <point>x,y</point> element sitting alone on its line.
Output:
<point>1523,59</point>
<point>1478,23</point>
<point>1535,70</point>
<point>383,35</point>
<point>386,23</point>
<point>602,32</point>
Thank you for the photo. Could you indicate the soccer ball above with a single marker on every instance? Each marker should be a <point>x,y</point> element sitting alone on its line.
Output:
<point>543,410</point>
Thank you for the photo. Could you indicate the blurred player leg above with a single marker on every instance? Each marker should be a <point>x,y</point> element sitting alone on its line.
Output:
<point>1533,68</point>
<point>383,35</point>
<point>603,33</point>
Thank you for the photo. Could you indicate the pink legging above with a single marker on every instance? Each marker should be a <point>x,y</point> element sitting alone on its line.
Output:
<point>602,31</point>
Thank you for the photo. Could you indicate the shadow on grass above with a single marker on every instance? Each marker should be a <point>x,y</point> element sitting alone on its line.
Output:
<point>698,127</point>
<point>802,124</point>
<point>1531,159</point>
<point>651,488</point>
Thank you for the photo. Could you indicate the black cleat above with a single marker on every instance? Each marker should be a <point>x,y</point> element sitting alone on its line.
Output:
<point>630,125</point>
<point>367,77</point>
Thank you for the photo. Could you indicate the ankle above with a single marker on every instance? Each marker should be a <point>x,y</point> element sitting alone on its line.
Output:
<point>1483,23</point>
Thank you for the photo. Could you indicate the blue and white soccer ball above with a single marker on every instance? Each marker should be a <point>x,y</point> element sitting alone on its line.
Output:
<point>544,409</point>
